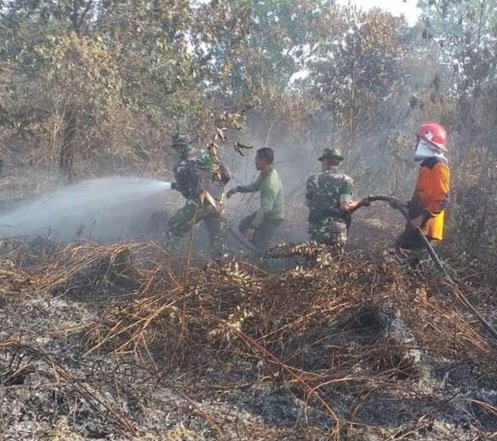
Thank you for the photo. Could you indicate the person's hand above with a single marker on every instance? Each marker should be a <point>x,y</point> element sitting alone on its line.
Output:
<point>416,222</point>
<point>351,207</point>
<point>395,204</point>
<point>249,233</point>
<point>218,208</point>
<point>230,192</point>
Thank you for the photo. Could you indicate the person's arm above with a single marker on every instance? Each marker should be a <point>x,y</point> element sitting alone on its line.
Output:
<point>250,188</point>
<point>182,174</point>
<point>310,187</point>
<point>224,174</point>
<point>346,202</point>
<point>188,179</point>
<point>347,205</point>
<point>440,189</point>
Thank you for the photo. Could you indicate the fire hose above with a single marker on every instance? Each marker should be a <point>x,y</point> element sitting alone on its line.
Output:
<point>398,205</point>
<point>395,203</point>
<point>242,240</point>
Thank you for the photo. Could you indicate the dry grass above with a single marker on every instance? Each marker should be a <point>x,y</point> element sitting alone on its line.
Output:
<point>349,324</point>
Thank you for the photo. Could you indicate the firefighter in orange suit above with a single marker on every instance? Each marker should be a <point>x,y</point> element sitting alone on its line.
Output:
<point>431,193</point>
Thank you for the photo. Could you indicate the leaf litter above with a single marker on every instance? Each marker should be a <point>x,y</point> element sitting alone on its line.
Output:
<point>124,341</point>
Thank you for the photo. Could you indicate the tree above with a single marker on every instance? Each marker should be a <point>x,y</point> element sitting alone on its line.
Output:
<point>75,65</point>
<point>465,33</point>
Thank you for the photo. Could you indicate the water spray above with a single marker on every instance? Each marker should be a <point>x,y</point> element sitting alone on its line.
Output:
<point>94,206</point>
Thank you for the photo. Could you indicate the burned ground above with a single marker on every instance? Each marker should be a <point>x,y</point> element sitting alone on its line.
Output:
<point>125,342</point>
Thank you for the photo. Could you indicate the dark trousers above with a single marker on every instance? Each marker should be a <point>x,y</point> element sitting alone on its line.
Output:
<point>264,233</point>
<point>412,241</point>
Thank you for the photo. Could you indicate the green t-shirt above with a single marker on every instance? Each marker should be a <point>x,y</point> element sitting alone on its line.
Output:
<point>272,201</point>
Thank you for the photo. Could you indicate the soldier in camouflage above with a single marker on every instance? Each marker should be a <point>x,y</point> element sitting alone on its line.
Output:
<point>201,182</point>
<point>329,198</point>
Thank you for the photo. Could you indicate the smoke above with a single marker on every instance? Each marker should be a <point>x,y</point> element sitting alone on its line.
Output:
<point>367,161</point>
<point>111,209</point>
<point>104,209</point>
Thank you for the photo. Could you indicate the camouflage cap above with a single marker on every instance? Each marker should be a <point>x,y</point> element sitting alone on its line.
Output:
<point>180,139</point>
<point>331,154</point>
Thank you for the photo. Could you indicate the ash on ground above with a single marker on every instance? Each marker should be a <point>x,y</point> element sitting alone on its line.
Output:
<point>122,341</point>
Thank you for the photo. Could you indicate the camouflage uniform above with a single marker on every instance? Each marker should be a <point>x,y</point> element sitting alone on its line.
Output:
<point>325,192</point>
<point>194,173</point>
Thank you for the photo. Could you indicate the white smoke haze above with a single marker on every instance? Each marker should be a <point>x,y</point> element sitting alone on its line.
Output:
<point>115,208</point>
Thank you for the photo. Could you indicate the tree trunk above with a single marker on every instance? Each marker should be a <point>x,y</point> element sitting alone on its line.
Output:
<point>66,154</point>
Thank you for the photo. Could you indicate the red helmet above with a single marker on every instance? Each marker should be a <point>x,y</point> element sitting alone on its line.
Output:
<point>434,133</point>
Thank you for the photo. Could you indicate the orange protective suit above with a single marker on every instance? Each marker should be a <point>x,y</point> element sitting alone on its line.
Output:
<point>431,196</point>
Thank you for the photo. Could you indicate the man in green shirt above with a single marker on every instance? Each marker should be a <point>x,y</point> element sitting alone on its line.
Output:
<point>260,226</point>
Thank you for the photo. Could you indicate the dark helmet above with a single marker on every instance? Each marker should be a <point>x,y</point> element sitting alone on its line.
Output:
<point>331,154</point>
<point>180,139</point>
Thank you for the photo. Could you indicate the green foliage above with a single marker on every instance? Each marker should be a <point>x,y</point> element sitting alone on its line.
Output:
<point>97,87</point>
<point>356,70</point>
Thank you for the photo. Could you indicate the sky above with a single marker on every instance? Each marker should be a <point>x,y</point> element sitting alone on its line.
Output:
<point>407,8</point>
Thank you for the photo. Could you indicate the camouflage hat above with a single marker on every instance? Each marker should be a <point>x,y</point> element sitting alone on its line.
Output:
<point>331,154</point>
<point>180,139</point>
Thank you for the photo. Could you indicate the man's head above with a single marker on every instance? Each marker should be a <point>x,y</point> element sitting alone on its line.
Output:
<point>179,142</point>
<point>431,140</point>
<point>264,158</point>
<point>330,158</point>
